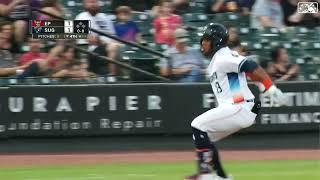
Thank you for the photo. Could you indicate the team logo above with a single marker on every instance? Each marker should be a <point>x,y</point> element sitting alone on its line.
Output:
<point>37,26</point>
<point>308,7</point>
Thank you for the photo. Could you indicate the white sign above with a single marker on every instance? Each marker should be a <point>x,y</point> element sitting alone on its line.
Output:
<point>308,7</point>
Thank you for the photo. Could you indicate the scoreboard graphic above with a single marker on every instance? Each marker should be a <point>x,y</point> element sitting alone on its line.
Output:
<point>68,29</point>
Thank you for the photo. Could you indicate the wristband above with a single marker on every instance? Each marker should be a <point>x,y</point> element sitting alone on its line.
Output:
<point>267,82</point>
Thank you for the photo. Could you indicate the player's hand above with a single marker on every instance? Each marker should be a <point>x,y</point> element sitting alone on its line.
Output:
<point>276,96</point>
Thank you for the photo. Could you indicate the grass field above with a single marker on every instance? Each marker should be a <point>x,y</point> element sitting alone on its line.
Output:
<point>241,170</point>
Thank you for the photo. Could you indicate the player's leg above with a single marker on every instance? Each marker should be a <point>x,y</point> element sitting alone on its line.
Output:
<point>201,123</point>
<point>205,149</point>
<point>216,163</point>
<point>204,154</point>
<point>214,125</point>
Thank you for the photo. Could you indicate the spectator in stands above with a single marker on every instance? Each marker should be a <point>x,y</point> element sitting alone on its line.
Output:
<point>267,13</point>
<point>236,46</point>
<point>280,69</point>
<point>6,6</point>
<point>7,42</point>
<point>60,63</point>
<point>99,21</point>
<point>136,5</point>
<point>234,42</point>
<point>100,66</point>
<point>102,22</point>
<point>125,28</point>
<point>53,7</point>
<point>166,23</point>
<point>20,12</point>
<point>246,6</point>
<point>293,18</point>
<point>8,47</point>
<point>68,66</point>
<point>34,53</point>
<point>4,72</point>
<point>219,6</point>
<point>181,6</point>
<point>184,63</point>
<point>233,34</point>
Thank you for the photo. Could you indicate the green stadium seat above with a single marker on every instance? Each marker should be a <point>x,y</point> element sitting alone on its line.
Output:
<point>303,34</point>
<point>142,17</point>
<point>3,82</point>
<point>130,53</point>
<point>30,81</point>
<point>199,7</point>
<point>12,81</point>
<point>148,37</point>
<point>145,28</point>
<point>228,18</point>
<point>195,17</point>
<point>45,80</point>
<point>195,36</point>
<point>106,6</point>
<point>196,20</point>
<point>158,47</point>
<point>249,34</point>
<point>296,52</point>
<point>254,46</point>
<point>270,33</point>
<point>312,49</point>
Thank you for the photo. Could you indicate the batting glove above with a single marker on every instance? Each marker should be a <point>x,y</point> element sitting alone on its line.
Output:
<point>276,96</point>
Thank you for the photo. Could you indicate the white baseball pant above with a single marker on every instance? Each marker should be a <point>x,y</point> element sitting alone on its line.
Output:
<point>225,119</point>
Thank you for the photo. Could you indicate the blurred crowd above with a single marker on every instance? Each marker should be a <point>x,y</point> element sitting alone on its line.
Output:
<point>23,56</point>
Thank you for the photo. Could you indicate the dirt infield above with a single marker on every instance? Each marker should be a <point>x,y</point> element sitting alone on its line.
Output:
<point>25,160</point>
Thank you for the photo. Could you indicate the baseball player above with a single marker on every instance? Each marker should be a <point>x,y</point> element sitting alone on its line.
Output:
<point>237,107</point>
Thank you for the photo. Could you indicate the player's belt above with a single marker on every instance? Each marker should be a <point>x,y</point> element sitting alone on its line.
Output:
<point>249,100</point>
<point>256,107</point>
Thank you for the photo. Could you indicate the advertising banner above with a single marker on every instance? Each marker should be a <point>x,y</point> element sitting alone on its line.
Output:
<point>116,109</point>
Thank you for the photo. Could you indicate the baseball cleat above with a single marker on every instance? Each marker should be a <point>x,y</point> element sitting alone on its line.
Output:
<point>207,176</point>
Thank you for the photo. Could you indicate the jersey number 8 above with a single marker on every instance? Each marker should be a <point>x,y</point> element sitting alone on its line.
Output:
<point>219,90</point>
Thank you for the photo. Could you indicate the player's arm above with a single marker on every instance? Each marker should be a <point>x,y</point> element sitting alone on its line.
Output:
<point>257,73</point>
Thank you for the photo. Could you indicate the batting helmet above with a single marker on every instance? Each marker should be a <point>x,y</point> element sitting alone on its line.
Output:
<point>217,34</point>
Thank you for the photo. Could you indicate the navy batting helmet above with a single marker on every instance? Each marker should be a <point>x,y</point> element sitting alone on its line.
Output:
<point>217,34</point>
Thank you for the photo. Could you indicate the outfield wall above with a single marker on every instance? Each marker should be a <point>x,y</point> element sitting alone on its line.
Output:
<point>140,109</point>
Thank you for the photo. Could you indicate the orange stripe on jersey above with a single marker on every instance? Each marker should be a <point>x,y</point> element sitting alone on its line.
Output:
<point>238,98</point>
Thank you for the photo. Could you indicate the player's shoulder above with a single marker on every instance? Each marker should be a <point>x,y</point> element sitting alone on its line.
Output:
<point>229,55</point>
<point>213,66</point>
<point>222,54</point>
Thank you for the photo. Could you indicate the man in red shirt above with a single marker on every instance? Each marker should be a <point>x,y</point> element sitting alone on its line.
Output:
<point>34,52</point>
